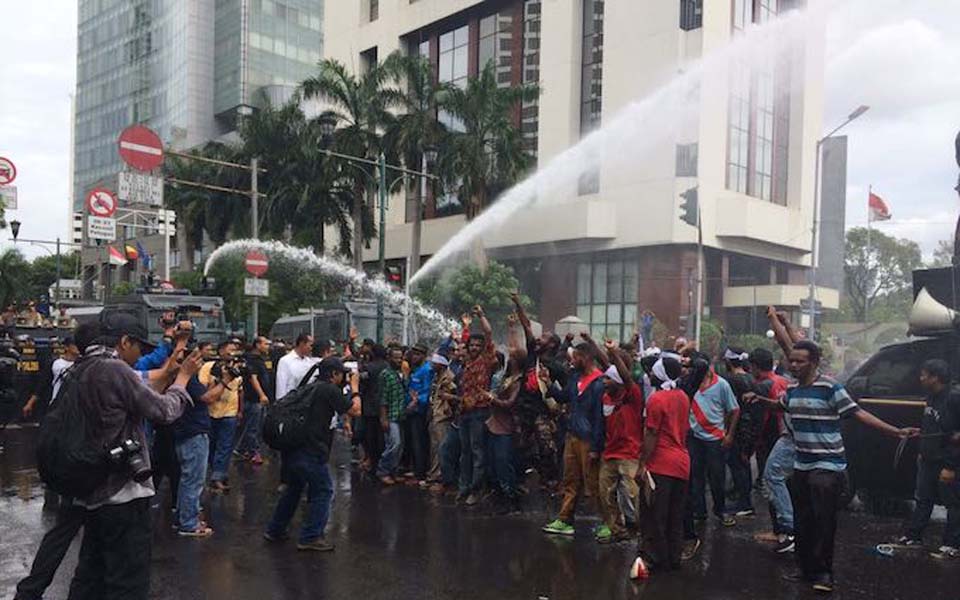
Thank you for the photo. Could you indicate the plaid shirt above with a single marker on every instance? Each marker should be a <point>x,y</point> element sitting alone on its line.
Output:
<point>392,394</point>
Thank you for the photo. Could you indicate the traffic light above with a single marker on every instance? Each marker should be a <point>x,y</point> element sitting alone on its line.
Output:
<point>395,276</point>
<point>690,207</point>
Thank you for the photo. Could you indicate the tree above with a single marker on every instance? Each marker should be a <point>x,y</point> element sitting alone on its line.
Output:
<point>943,254</point>
<point>361,105</point>
<point>43,272</point>
<point>881,271</point>
<point>487,149</point>
<point>470,285</point>
<point>14,270</point>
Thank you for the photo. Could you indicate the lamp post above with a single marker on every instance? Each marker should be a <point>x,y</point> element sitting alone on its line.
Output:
<point>815,251</point>
<point>328,125</point>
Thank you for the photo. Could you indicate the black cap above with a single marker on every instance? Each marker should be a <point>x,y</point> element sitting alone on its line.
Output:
<point>119,324</point>
<point>331,365</point>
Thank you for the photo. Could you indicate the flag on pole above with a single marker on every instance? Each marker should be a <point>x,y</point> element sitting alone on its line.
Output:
<point>144,255</point>
<point>877,209</point>
<point>116,257</point>
<point>131,251</point>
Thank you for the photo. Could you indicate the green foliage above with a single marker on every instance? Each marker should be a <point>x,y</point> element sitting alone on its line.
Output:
<point>942,254</point>
<point>750,342</point>
<point>879,274</point>
<point>22,280</point>
<point>470,285</point>
<point>711,337</point>
<point>124,288</point>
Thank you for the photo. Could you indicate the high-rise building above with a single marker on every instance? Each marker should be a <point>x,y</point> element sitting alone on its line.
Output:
<point>616,246</point>
<point>184,68</point>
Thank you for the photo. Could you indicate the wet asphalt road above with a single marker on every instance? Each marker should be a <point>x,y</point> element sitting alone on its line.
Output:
<point>403,543</point>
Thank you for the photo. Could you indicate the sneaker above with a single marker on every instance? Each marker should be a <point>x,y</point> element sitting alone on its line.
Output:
<point>274,538</point>
<point>823,584</point>
<point>786,544</point>
<point>908,542</point>
<point>423,484</point>
<point>219,487</point>
<point>387,480</point>
<point>690,549</point>
<point>795,576</point>
<point>317,545</point>
<point>639,569</point>
<point>946,553</point>
<point>558,527</point>
<point>603,534</point>
<point>749,512</point>
<point>201,531</point>
<point>471,500</point>
<point>727,521</point>
<point>461,497</point>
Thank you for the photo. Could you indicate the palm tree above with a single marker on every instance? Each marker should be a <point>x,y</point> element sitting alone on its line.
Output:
<point>361,106</point>
<point>416,129</point>
<point>487,152</point>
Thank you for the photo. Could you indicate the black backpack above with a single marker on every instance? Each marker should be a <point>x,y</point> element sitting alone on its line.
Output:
<point>285,425</point>
<point>69,459</point>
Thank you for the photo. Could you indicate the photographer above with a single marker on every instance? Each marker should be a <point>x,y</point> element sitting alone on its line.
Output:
<point>114,559</point>
<point>306,467</point>
<point>223,380</point>
<point>256,382</point>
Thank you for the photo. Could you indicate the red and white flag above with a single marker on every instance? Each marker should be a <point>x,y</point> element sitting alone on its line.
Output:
<point>117,257</point>
<point>877,209</point>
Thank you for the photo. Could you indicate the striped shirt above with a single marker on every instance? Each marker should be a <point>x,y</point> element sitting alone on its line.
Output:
<point>815,411</point>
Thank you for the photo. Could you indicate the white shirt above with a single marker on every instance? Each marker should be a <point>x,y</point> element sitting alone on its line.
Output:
<point>58,367</point>
<point>290,370</point>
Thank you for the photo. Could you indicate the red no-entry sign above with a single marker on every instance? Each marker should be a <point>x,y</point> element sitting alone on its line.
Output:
<point>140,148</point>
<point>256,263</point>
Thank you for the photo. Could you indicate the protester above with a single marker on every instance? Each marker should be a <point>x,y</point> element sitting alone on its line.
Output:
<point>256,385</point>
<point>815,405</point>
<point>585,435</point>
<point>392,404</point>
<point>114,559</point>
<point>475,407</point>
<point>938,461</point>
<point>191,433</point>
<point>223,397</point>
<point>292,368</point>
<point>372,439</point>
<point>623,428</point>
<point>418,407</point>
<point>745,438</point>
<point>500,427</point>
<point>443,400</point>
<point>306,468</point>
<point>57,370</point>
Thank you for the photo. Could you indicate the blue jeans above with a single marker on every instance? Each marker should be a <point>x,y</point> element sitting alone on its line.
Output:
<point>392,449</point>
<point>501,450</point>
<point>250,430</point>
<point>450,456</point>
<point>222,433</point>
<point>780,468</point>
<point>192,454</point>
<point>304,470</point>
<point>473,432</point>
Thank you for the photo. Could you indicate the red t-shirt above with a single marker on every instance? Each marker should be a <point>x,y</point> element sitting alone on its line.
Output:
<point>623,419</point>
<point>668,413</point>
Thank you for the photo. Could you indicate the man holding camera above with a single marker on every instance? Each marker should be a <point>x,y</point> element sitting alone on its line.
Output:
<point>256,383</point>
<point>223,380</point>
<point>114,559</point>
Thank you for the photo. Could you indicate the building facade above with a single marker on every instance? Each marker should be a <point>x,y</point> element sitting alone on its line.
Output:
<point>619,247</point>
<point>185,68</point>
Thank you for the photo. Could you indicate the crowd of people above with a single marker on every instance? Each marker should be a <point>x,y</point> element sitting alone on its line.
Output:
<point>631,432</point>
<point>32,314</point>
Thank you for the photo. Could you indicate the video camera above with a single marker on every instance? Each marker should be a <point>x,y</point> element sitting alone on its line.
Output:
<point>237,367</point>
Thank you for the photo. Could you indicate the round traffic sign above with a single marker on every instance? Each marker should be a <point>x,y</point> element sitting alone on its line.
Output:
<point>101,202</point>
<point>140,148</point>
<point>256,263</point>
<point>8,171</point>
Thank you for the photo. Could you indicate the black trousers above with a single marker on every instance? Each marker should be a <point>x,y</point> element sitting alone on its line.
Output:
<point>420,444</point>
<point>52,549</point>
<point>372,440</point>
<point>115,555</point>
<point>930,491</point>
<point>661,523</point>
<point>816,499</point>
<point>164,460</point>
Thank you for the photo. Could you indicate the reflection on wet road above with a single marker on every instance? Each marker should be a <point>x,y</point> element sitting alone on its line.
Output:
<point>403,543</point>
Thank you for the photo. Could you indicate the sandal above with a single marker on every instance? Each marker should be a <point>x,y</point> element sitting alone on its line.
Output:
<point>201,531</point>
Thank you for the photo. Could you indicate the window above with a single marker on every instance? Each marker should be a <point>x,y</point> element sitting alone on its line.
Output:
<point>691,14</point>
<point>374,10</point>
<point>496,44</point>
<point>530,110</point>
<point>687,160</point>
<point>607,297</point>
<point>591,84</point>
<point>452,66</point>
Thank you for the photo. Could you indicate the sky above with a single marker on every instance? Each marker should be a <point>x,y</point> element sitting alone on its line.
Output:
<point>897,57</point>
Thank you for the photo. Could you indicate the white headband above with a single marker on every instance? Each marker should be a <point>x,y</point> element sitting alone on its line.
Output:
<point>731,355</point>
<point>614,375</point>
<point>660,372</point>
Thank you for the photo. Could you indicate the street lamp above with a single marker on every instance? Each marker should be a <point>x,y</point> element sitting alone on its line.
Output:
<point>430,155</point>
<point>815,253</point>
<point>328,124</point>
<point>15,229</point>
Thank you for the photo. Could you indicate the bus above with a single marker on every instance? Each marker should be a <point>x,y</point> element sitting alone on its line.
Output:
<point>333,322</point>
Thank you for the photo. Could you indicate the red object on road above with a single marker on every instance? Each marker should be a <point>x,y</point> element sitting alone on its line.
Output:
<point>256,263</point>
<point>140,148</point>
<point>101,202</point>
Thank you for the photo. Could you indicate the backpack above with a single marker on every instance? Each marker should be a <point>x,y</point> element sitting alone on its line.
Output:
<point>285,426</point>
<point>69,459</point>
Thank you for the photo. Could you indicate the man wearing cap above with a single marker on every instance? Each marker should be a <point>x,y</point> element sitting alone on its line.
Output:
<point>224,401</point>
<point>418,406</point>
<point>306,467</point>
<point>114,559</point>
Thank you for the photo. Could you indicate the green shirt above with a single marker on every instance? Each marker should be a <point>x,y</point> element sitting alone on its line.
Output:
<point>392,394</point>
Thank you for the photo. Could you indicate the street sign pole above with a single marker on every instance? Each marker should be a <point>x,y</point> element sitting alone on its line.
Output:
<point>166,240</point>
<point>255,230</point>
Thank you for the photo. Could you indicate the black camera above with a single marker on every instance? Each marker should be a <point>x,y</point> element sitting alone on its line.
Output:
<point>127,456</point>
<point>237,367</point>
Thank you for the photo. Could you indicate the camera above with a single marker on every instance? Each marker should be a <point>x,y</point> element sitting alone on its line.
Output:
<point>237,367</point>
<point>127,456</point>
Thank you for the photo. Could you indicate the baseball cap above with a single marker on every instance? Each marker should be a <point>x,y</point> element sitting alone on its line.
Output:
<point>119,324</point>
<point>330,365</point>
